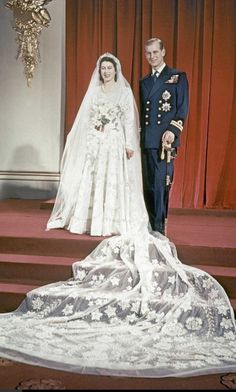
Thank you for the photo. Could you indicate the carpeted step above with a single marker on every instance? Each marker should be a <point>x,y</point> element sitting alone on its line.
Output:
<point>33,268</point>
<point>205,237</point>
<point>226,276</point>
<point>79,246</point>
<point>47,204</point>
<point>206,255</point>
<point>233,303</point>
<point>11,295</point>
<point>41,270</point>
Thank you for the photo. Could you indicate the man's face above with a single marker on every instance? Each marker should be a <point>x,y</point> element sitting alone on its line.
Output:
<point>154,55</point>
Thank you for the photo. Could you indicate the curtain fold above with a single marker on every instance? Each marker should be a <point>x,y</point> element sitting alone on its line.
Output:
<point>200,39</point>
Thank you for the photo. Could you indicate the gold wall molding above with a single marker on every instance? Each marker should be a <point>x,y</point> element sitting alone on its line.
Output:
<point>30,17</point>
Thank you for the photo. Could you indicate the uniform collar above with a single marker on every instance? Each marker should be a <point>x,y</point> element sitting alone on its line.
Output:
<point>159,69</point>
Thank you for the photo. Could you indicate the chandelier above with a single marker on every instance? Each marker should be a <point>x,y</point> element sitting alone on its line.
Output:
<point>30,17</point>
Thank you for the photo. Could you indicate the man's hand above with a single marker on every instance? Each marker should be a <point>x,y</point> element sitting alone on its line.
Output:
<point>168,137</point>
<point>129,153</point>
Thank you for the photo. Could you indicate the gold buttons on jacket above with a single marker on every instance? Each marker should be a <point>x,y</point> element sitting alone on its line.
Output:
<point>147,108</point>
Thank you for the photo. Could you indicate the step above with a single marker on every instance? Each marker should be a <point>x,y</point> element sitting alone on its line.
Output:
<point>197,211</point>
<point>206,255</point>
<point>79,246</point>
<point>39,269</point>
<point>233,303</point>
<point>46,269</point>
<point>47,204</point>
<point>11,296</point>
<point>226,276</point>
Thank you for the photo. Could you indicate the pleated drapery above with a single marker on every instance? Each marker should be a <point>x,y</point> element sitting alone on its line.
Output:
<point>200,39</point>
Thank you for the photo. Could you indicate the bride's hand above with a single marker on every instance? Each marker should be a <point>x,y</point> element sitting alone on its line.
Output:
<point>129,153</point>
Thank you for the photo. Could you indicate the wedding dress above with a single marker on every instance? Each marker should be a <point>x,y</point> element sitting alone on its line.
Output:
<point>130,309</point>
<point>100,189</point>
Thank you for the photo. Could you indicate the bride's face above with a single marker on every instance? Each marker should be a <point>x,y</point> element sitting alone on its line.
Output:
<point>107,71</point>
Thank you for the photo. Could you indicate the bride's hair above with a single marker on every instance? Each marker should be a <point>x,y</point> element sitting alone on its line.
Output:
<point>111,60</point>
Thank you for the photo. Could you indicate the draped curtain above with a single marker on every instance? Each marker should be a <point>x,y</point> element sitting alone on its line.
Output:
<point>200,37</point>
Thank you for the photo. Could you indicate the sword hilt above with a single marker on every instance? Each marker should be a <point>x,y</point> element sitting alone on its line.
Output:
<point>166,151</point>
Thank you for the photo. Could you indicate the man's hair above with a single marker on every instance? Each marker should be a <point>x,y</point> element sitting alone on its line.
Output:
<point>111,60</point>
<point>152,40</point>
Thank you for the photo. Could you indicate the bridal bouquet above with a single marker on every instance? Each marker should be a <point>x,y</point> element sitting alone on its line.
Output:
<point>104,113</point>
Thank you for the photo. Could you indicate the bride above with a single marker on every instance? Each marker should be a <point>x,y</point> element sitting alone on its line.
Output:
<point>100,191</point>
<point>131,308</point>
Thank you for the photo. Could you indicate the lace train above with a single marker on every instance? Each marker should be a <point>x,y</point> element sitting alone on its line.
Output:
<point>131,309</point>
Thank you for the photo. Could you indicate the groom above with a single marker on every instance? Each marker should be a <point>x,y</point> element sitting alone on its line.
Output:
<point>164,103</point>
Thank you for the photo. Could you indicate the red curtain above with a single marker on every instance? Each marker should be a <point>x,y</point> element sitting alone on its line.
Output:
<point>200,37</point>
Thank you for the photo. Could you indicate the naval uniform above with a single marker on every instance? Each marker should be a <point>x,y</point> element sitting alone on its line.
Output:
<point>164,104</point>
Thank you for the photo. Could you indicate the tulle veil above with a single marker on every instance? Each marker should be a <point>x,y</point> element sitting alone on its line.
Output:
<point>75,151</point>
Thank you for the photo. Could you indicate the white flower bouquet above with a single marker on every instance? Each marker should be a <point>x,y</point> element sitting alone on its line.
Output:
<point>104,113</point>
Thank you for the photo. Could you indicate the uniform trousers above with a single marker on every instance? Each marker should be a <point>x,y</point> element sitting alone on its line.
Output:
<point>156,192</point>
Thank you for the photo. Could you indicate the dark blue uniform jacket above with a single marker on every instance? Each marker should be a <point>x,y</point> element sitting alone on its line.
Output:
<point>163,106</point>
